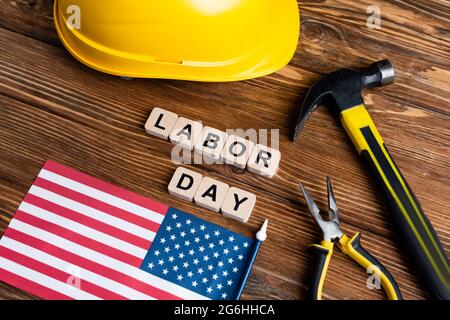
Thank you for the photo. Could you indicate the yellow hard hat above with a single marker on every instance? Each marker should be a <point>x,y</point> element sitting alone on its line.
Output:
<point>202,40</point>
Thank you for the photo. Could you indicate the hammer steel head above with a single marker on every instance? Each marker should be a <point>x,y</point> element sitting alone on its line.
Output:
<point>344,88</point>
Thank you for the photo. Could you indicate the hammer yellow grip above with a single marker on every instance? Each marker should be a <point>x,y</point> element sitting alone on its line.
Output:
<point>417,232</point>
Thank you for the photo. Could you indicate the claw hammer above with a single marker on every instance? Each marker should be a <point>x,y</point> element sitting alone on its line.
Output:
<point>343,90</point>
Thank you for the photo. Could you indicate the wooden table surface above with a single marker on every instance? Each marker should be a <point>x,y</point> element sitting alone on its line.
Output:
<point>53,107</point>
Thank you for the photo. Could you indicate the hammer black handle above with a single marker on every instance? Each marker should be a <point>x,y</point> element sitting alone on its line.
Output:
<point>416,230</point>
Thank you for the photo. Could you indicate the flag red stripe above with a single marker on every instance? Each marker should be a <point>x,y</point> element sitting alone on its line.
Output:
<point>96,204</point>
<point>31,287</point>
<point>58,274</point>
<point>106,187</point>
<point>87,221</point>
<point>78,238</point>
<point>89,265</point>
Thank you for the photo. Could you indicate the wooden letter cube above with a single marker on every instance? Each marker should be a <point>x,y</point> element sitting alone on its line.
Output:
<point>160,123</point>
<point>236,151</point>
<point>211,142</point>
<point>186,132</point>
<point>264,161</point>
<point>238,204</point>
<point>185,183</point>
<point>211,194</point>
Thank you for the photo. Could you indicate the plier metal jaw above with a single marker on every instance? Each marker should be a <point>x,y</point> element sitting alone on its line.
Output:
<point>351,246</point>
<point>330,229</point>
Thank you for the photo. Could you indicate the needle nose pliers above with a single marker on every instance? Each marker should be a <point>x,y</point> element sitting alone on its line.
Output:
<point>350,246</point>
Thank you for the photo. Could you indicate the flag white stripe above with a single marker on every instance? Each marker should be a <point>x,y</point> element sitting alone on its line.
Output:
<point>83,230</point>
<point>92,213</point>
<point>101,196</point>
<point>44,280</point>
<point>64,266</point>
<point>104,260</point>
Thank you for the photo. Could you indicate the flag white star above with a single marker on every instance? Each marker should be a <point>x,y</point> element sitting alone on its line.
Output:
<point>173,237</point>
<point>209,289</point>
<point>157,253</point>
<point>224,295</point>
<point>200,271</point>
<point>235,269</point>
<point>197,240</point>
<point>210,267</point>
<point>205,258</point>
<point>245,244</point>
<point>201,249</point>
<point>174,216</point>
<point>187,243</point>
<point>196,261</point>
<point>186,265</point>
<point>165,272</point>
<point>191,252</point>
<point>216,254</point>
<point>193,230</point>
<point>177,246</point>
<point>240,257</point>
<point>194,284</point>
<point>202,227</point>
<point>151,265</point>
<point>220,264</point>
<point>161,262</point>
<point>217,233</point>
<point>163,240</point>
<point>188,222</point>
<point>171,259</point>
<point>231,239</point>
<point>229,282</point>
<point>215,276</point>
<point>178,225</point>
<point>226,251</point>
<point>230,261</point>
<point>211,245</point>
<point>180,277</point>
<point>221,242</point>
<point>175,268</point>
<point>166,249</point>
<point>190,274</point>
<point>181,255</point>
<point>205,280</point>
<point>219,286</point>
<point>182,234</point>
<point>236,248</point>
<point>169,228</point>
<point>207,236</point>
<point>225,273</point>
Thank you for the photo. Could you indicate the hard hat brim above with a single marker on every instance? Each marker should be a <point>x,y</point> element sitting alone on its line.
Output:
<point>269,57</point>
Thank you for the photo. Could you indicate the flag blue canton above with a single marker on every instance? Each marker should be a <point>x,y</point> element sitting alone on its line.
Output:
<point>198,255</point>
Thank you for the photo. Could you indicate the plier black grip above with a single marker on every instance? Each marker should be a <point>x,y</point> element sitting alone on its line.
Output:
<point>350,246</point>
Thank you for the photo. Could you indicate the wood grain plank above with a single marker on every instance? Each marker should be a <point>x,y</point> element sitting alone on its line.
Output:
<point>127,163</point>
<point>111,106</point>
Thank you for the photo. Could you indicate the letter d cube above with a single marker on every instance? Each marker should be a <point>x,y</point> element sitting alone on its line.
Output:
<point>184,184</point>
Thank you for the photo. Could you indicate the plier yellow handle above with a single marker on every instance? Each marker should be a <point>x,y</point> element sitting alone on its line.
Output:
<point>350,246</point>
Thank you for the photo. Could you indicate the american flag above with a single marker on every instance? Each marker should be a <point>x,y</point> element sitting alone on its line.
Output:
<point>77,237</point>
